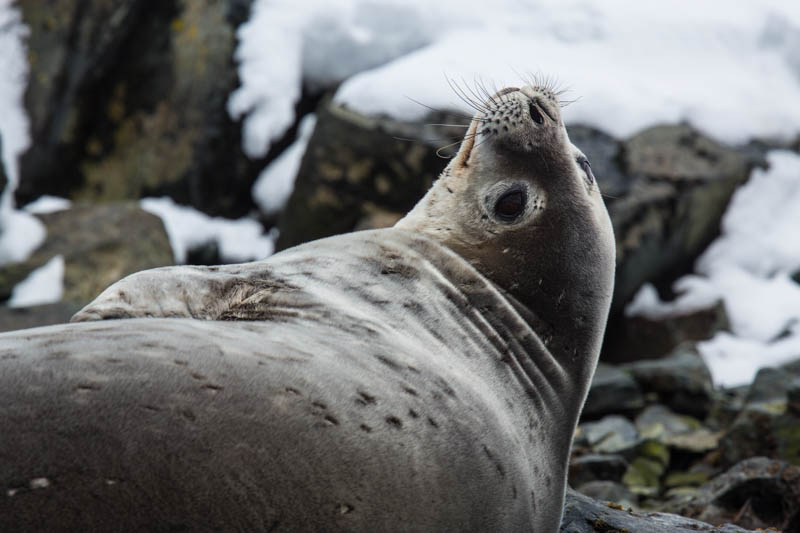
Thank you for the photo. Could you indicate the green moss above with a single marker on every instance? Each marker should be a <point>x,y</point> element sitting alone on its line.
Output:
<point>686,479</point>
<point>643,472</point>
<point>655,451</point>
<point>788,433</point>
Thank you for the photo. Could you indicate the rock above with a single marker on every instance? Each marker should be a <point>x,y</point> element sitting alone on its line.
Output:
<point>100,245</point>
<point>765,425</point>
<point>612,391</point>
<point>793,397</point>
<point>375,217</point>
<point>604,153</point>
<point>609,491</point>
<point>681,381</point>
<point>681,432</point>
<point>612,434</point>
<point>596,467</point>
<point>756,493</point>
<point>641,337</point>
<point>643,476</point>
<point>582,514</point>
<point>39,315</point>
<point>356,166</point>
<point>769,385</point>
<point>127,99</point>
<point>682,181</point>
<point>658,422</point>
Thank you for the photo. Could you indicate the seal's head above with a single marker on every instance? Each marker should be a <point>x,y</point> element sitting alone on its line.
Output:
<point>519,201</point>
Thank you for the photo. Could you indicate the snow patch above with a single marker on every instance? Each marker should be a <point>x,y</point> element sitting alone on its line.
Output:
<point>320,43</point>
<point>47,204</point>
<point>639,63</point>
<point>238,240</point>
<point>274,185</point>
<point>748,267</point>
<point>20,233</point>
<point>42,286</point>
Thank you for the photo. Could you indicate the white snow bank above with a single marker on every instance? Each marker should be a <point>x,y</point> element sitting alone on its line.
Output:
<point>733,70</point>
<point>286,43</point>
<point>274,185</point>
<point>20,233</point>
<point>238,240</point>
<point>42,286</point>
<point>47,204</point>
<point>748,268</point>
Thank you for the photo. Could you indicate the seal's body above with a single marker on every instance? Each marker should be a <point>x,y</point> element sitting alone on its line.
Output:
<point>426,377</point>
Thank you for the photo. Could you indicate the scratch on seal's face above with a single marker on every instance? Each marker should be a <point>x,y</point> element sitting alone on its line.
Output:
<point>519,201</point>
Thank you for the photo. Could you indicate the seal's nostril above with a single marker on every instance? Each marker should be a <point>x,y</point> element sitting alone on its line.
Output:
<point>535,115</point>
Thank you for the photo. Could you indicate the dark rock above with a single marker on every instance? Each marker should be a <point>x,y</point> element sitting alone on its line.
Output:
<point>756,493</point>
<point>681,381</point>
<point>604,153</point>
<point>35,316</point>
<point>612,391</point>
<point>644,474</point>
<point>357,165</point>
<point>765,425</point>
<point>127,99</point>
<point>642,337</point>
<point>206,253</point>
<point>793,397</point>
<point>609,491</point>
<point>582,514</point>
<point>769,385</point>
<point>596,467</point>
<point>680,432</point>
<point>682,184</point>
<point>100,245</point>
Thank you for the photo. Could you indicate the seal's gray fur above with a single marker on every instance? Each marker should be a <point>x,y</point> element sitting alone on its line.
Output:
<point>426,377</point>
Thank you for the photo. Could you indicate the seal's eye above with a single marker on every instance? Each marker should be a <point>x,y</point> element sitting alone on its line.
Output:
<point>587,168</point>
<point>511,204</point>
<point>535,115</point>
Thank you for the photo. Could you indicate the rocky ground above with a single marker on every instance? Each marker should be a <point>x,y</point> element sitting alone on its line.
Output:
<point>136,108</point>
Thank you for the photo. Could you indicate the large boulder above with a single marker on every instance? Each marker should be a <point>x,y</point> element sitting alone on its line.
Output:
<point>769,422</point>
<point>360,172</point>
<point>756,493</point>
<point>99,244</point>
<point>13,318</point>
<point>682,183</point>
<point>127,99</point>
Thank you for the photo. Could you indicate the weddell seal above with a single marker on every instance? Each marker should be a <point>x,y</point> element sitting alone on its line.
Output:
<point>425,377</point>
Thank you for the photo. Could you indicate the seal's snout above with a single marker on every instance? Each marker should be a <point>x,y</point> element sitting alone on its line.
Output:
<point>520,119</point>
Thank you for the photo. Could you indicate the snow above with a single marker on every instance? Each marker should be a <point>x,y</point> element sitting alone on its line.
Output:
<point>47,204</point>
<point>42,286</point>
<point>317,42</point>
<point>274,185</point>
<point>748,267</point>
<point>20,233</point>
<point>731,69</point>
<point>238,240</point>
